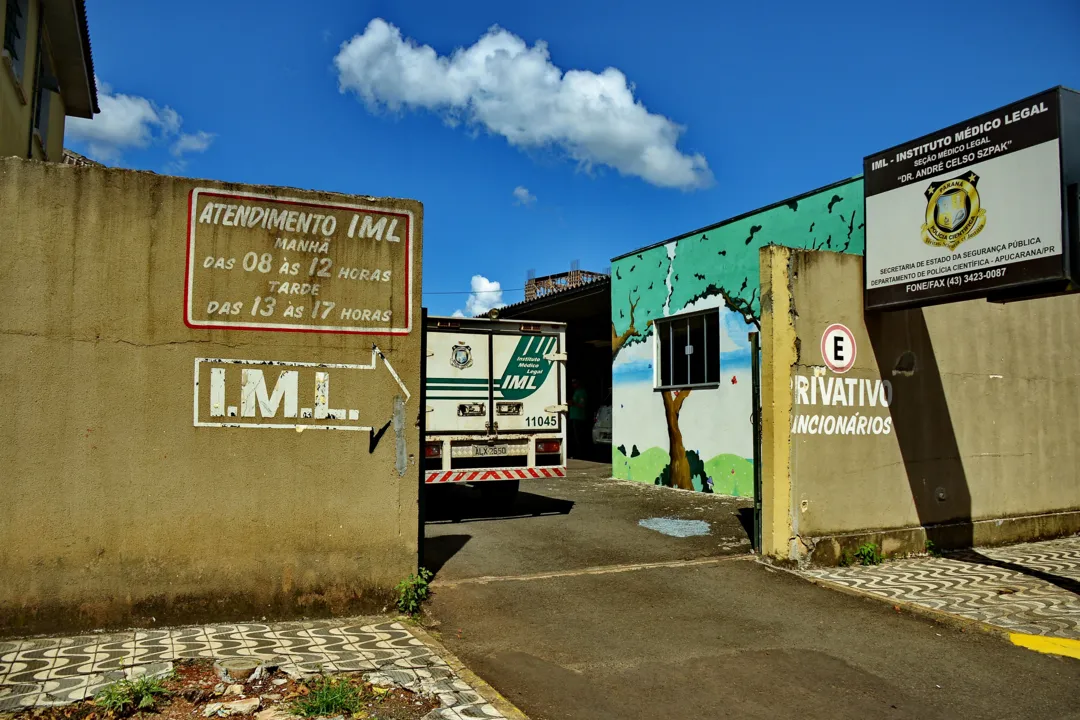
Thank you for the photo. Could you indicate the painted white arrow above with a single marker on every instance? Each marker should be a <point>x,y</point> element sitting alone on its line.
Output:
<point>376,352</point>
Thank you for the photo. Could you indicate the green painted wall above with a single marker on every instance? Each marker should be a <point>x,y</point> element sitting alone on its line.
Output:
<point>714,268</point>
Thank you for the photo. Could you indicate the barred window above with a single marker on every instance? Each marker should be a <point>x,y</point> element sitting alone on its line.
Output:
<point>688,350</point>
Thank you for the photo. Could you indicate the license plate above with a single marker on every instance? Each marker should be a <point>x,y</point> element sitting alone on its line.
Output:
<point>486,450</point>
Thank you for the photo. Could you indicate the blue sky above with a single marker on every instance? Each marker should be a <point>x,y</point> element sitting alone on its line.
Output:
<point>710,109</point>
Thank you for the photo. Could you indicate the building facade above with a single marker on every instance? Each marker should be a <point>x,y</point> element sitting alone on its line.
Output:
<point>48,75</point>
<point>681,314</point>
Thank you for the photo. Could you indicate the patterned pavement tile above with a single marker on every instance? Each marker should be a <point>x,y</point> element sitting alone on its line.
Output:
<point>56,671</point>
<point>1054,557</point>
<point>1033,588</point>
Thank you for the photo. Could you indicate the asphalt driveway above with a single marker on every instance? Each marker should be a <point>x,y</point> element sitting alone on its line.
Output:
<point>583,521</point>
<point>573,610</point>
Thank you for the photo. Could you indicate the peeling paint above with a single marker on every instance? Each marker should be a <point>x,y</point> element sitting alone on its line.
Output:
<point>399,432</point>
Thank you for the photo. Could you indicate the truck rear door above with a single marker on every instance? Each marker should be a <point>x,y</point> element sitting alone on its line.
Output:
<point>526,383</point>
<point>458,381</point>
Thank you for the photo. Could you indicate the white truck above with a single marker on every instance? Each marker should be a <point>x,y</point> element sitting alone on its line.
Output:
<point>495,403</point>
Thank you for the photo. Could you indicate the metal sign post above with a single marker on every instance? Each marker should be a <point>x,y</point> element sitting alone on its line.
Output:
<point>755,379</point>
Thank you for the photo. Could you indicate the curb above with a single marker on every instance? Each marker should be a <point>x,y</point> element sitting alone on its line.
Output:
<point>941,617</point>
<point>504,706</point>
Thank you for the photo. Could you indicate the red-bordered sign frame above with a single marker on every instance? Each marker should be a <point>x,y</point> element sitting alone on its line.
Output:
<point>189,275</point>
<point>840,370</point>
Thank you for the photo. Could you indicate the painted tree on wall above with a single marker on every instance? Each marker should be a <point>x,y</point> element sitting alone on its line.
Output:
<point>666,279</point>
<point>667,276</point>
<point>680,463</point>
<point>619,339</point>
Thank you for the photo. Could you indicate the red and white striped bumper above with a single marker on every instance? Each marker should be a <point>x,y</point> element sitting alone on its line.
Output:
<point>456,476</point>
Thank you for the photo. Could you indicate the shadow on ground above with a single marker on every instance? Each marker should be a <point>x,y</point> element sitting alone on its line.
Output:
<point>977,558</point>
<point>439,549</point>
<point>459,503</point>
<point>746,519</point>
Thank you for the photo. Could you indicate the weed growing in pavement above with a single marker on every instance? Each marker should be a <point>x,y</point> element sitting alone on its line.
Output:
<point>413,591</point>
<point>330,696</point>
<point>932,549</point>
<point>869,554</point>
<point>125,696</point>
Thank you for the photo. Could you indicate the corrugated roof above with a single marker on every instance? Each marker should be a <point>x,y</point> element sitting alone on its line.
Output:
<point>563,294</point>
<point>84,30</point>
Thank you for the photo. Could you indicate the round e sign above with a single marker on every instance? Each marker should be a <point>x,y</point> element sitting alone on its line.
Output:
<point>838,348</point>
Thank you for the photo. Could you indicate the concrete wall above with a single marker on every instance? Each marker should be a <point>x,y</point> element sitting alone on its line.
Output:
<point>144,480</point>
<point>712,268</point>
<point>970,417</point>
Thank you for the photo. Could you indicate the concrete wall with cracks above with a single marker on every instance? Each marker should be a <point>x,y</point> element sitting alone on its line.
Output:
<point>123,500</point>
<point>956,424</point>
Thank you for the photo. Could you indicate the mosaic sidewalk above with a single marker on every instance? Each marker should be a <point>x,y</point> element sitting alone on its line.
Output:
<point>56,671</point>
<point>1033,588</point>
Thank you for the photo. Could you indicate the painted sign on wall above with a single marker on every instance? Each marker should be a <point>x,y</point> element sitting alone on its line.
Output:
<point>290,395</point>
<point>853,406</point>
<point>258,262</point>
<point>974,208</point>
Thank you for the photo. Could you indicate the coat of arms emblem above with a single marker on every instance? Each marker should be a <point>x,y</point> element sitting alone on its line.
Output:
<point>461,356</point>
<point>953,212</point>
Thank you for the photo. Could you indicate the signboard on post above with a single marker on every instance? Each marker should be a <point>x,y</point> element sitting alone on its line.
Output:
<point>268,263</point>
<point>972,210</point>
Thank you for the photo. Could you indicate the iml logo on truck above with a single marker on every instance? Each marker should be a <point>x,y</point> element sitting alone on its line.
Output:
<point>527,369</point>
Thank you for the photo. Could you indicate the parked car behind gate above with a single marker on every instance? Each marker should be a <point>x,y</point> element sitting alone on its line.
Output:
<point>601,431</point>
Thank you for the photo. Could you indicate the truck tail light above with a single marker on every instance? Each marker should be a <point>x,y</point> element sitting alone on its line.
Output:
<point>433,449</point>
<point>545,447</point>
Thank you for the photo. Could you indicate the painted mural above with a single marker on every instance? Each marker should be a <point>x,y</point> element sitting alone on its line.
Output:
<point>702,439</point>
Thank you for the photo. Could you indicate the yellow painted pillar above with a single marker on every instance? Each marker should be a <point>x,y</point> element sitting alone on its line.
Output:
<point>778,356</point>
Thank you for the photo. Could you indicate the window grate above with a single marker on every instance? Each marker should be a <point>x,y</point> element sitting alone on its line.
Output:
<point>688,350</point>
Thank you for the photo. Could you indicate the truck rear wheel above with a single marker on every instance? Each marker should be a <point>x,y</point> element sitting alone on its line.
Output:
<point>500,494</point>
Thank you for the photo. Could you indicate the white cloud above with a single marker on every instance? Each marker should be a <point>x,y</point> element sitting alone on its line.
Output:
<point>132,121</point>
<point>502,84</point>
<point>523,196</point>
<point>192,142</point>
<point>486,294</point>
